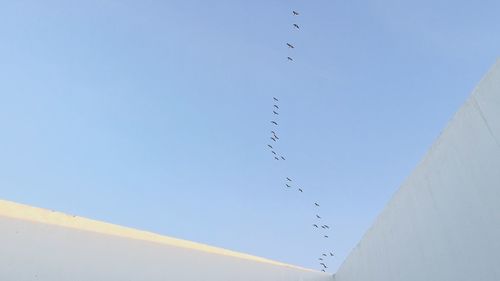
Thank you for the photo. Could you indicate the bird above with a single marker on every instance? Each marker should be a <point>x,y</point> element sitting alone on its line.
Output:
<point>290,45</point>
<point>287,185</point>
<point>324,255</point>
<point>274,122</point>
<point>323,270</point>
<point>289,58</point>
<point>323,264</point>
<point>317,205</point>
<point>301,190</point>
<point>323,226</point>
<point>326,226</point>
<point>270,146</point>
<point>273,139</point>
<point>315,225</point>
<point>320,259</point>
<point>274,152</point>
<point>296,26</point>
<point>276,113</point>
<point>275,136</point>
<point>282,157</point>
<point>288,179</point>
<point>295,13</point>
<point>276,158</point>
<point>275,99</point>
<point>273,132</point>
<point>326,236</point>
<point>331,254</point>
<point>276,106</point>
<point>318,217</point>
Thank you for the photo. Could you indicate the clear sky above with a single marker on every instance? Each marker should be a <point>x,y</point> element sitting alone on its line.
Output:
<point>156,114</point>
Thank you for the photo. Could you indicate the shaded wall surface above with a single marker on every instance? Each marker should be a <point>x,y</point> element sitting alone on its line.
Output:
<point>444,222</point>
<point>38,244</point>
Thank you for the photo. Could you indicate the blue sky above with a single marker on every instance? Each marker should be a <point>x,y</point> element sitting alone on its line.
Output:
<point>155,114</point>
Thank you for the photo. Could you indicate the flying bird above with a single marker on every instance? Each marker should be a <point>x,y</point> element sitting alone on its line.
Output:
<point>317,205</point>
<point>275,98</point>
<point>318,217</point>
<point>323,227</point>
<point>324,255</point>
<point>323,270</point>
<point>290,45</point>
<point>288,179</point>
<point>287,185</point>
<point>282,157</point>
<point>296,26</point>
<point>326,236</point>
<point>295,13</point>
<point>324,265</point>
<point>320,259</point>
<point>277,106</point>
<point>289,58</point>
<point>274,122</point>
<point>270,146</point>
<point>274,152</point>
<point>273,139</point>
<point>276,158</point>
<point>326,226</point>
<point>315,225</point>
<point>276,113</point>
<point>301,190</point>
<point>331,254</point>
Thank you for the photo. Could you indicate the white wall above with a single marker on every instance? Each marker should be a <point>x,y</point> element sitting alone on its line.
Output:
<point>37,244</point>
<point>444,222</point>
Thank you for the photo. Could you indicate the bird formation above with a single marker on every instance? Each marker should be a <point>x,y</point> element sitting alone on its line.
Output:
<point>319,226</point>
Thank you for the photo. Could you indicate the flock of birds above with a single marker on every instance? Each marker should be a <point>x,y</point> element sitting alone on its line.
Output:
<point>318,225</point>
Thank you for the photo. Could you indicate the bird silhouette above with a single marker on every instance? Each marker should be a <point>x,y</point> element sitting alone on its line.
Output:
<point>270,146</point>
<point>296,26</point>
<point>276,158</point>
<point>315,225</point>
<point>283,158</point>
<point>273,139</point>
<point>295,13</point>
<point>326,236</point>
<point>318,217</point>
<point>288,179</point>
<point>323,227</point>
<point>277,106</point>
<point>274,152</point>
<point>276,113</point>
<point>324,255</point>
<point>320,259</point>
<point>275,99</point>
<point>317,205</point>
<point>274,122</point>
<point>331,254</point>
<point>301,190</point>
<point>289,58</point>
<point>326,226</point>
<point>323,270</point>
<point>290,46</point>
<point>287,185</point>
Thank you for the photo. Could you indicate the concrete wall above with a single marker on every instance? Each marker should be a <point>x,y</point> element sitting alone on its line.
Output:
<point>444,222</point>
<point>37,244</point>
